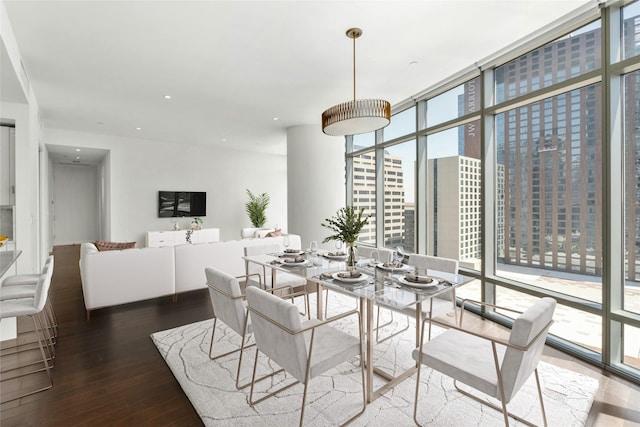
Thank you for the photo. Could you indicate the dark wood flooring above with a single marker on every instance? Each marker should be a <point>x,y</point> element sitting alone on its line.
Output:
<point>108,372</point>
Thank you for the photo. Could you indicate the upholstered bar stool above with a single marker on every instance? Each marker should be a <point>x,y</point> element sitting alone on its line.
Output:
<point>25,290</point>
<point>33,308</point>
<point>24,286</point>
<point>27,279</point>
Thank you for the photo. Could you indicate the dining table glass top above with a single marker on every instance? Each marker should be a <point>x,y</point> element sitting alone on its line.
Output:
<point>388,285</point>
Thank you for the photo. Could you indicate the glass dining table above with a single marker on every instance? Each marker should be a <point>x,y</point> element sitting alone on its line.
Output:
<point>376,284</point>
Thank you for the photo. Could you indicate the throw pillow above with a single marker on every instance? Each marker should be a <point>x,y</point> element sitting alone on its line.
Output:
<point>274,233</point>
<point>113,246</point>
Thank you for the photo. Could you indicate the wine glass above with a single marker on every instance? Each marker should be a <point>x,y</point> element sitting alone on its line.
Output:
<point>286,242</point>
<point>313,247</point>
<point>394,258</point>
<point>375,257</point>
<point>338,246</point>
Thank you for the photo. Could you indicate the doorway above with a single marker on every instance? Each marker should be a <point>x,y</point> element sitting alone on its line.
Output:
<point>75,203</point>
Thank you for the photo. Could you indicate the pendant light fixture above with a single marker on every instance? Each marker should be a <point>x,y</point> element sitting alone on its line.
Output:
<point>357,116</point>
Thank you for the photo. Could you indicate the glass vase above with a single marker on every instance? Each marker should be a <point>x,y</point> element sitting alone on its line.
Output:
<point>351,260</point>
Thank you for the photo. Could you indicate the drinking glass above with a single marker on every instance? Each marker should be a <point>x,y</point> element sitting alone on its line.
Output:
<point>394,257</point>
<point>313,248</point>
<point>375,257</point>
<point>285,241</point>
<point>338,245</point>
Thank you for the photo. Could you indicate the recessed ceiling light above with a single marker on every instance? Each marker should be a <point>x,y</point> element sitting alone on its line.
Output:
<point>167,96</point>
<point>275,118</point>
<point>224,139</point>
<point>138,128</point>
<point>77,149</point>
<point>77,157</point>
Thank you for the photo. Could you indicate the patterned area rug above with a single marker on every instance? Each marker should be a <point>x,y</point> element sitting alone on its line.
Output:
<point>336,396</point>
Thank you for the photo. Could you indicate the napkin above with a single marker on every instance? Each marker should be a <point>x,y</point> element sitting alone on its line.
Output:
<point>393,264</point>
<point>292,251</point>
<point>417,279</point>
<point>336,254</point>
<point>349,274</point>
<point>297,259</point>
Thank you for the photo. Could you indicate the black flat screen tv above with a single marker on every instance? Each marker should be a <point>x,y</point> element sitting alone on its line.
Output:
<point>182,203</point>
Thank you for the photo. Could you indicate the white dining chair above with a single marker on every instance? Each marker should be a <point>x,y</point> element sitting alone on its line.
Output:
<point>492,365</point>
<point>303,349</point>
<point>275,279</point>
<point>229,306</point>
<point>437,305</point>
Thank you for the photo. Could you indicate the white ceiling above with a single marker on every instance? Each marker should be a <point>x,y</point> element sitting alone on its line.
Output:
<point>232,66</point>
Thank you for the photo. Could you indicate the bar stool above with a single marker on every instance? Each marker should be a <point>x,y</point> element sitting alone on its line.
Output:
<point>33,308</point>
<point>24,286</point>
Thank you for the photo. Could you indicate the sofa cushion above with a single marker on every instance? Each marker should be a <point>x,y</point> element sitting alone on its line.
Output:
<point>113,246</point>
<point>275,233</point>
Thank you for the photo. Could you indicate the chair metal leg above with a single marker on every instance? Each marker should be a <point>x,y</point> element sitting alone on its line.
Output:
<point>252,402</point>
<point>243,347</point>
<point>379,326</point>
<point>504,411</point>
<point>44,361</point>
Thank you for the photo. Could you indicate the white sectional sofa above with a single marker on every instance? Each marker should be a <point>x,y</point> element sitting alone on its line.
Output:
<point>122,276</point>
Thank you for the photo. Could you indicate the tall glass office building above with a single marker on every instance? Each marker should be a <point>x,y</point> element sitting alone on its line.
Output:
<point>526,168</point>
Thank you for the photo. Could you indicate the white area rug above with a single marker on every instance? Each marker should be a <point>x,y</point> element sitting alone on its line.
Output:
<point>336,395</point>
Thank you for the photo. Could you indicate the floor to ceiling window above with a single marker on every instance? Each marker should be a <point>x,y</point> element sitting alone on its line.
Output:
<point>518,169</point>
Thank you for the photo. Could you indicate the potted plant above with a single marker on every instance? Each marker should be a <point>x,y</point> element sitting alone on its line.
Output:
<point>256,207</point>
<point>346,225</point>
<point>196,223</point>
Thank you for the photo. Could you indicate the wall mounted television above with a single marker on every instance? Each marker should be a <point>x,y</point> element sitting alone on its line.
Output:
<point>181,203</point>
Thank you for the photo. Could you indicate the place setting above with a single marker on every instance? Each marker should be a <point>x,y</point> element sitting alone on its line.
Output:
<point>294,261</point>
<point>346,277</point>
<point>418,281</point>
<point>338,255</point>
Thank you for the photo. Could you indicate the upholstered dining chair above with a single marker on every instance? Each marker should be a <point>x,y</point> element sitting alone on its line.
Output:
<point>229,305</point>
<point>283,280</point>
<point>437,305</point>
<point>492,365</point>
<point>303,349</point>
<point>31,307</point>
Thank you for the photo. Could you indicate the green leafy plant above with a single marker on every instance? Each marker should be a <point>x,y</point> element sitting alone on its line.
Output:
<point>256,208</point>
<point>346,224</point>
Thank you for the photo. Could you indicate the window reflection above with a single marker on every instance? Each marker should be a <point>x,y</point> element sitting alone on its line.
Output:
<point>549,163</point>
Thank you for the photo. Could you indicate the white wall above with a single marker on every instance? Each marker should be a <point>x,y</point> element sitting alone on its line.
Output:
<point>27,141</point>
<point>316,179</point>
<point>137,169</point>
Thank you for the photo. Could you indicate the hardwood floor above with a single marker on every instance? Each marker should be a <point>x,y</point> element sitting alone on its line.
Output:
<point>108,372</point>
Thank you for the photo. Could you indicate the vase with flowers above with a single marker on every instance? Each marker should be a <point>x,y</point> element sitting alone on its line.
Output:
<point>346,225</point>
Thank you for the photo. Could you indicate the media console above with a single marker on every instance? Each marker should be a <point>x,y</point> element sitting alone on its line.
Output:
<point>157,239</point>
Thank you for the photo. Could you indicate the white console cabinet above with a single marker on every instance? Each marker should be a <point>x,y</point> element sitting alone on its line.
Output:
<point>179,237</point>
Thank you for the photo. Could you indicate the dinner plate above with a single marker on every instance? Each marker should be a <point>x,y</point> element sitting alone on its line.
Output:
<point>387,268</point>
<point>348,279</point>
<point>287,254</point>
<point>433,284</point>
<point>339,257</point>
<point>295,264</point>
